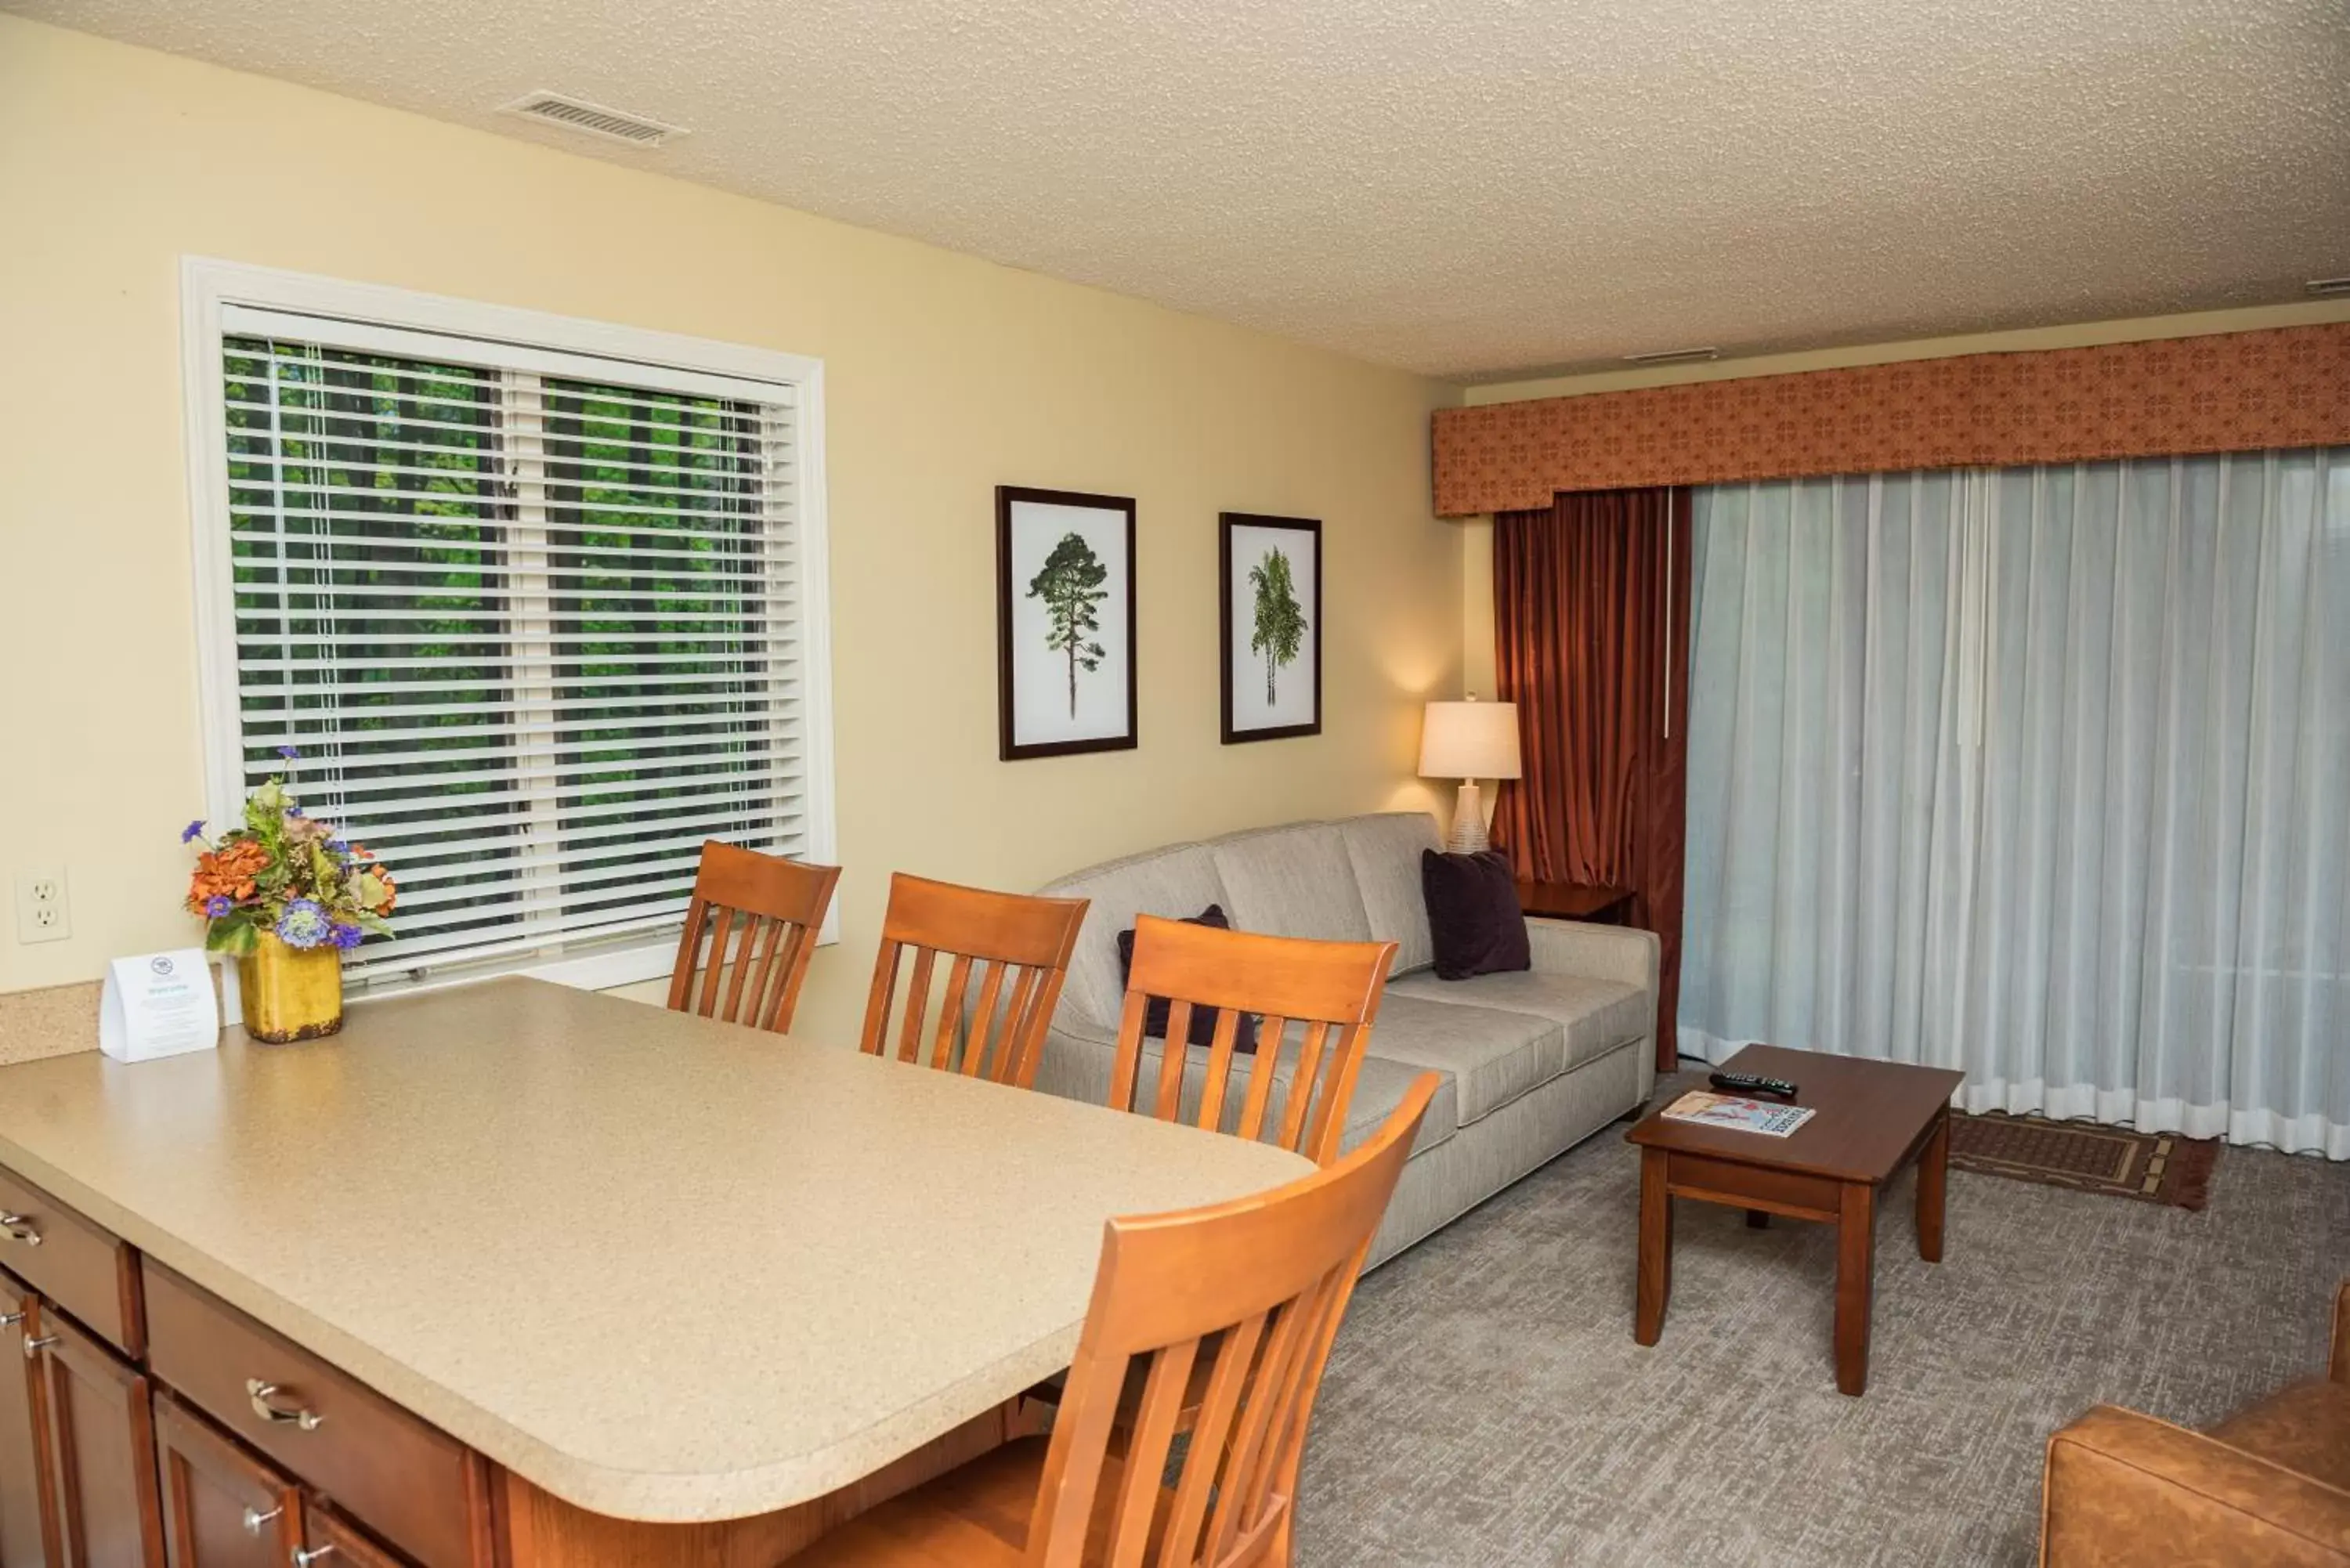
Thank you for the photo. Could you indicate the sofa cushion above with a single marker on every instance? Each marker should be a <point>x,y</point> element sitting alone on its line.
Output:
<point>1076,1065</point>
<point>1493,1056</point>
<point>1159,1013</point>
<point>1176,881</point>
<point>2305,1426</point>
<point>1597,1015</point>
<point>1384,849</point>
<point>1473,913</point>
<point>1290,882</point>
<point>1380,1088</point>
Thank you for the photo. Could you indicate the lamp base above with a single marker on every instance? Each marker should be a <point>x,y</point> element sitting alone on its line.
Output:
<point>1469,821</point>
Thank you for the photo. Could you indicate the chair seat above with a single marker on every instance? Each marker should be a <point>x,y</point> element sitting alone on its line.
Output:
<point>975,1516</point>
<point>2305,1426</point>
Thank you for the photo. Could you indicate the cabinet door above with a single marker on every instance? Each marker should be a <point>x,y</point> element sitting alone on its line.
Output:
<point>222,1507</point>
<point>28,1526</point>
<point>101,1453</point>
<point>329,1542</point>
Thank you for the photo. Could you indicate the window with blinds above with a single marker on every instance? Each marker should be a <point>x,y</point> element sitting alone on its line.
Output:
<point>533,622</point>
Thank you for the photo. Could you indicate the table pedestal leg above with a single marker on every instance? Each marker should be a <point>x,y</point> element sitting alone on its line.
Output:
<point>1855,1280</point>
<point>1758,1220</point>
<point>1933,1188</point>
<point>1654,1285</point>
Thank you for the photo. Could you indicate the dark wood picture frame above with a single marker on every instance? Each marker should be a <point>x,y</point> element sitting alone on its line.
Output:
<point>1312,528</point>
<point>1009,748</point>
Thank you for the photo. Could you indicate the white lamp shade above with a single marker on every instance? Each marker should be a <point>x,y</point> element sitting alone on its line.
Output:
<point>1469,741</point>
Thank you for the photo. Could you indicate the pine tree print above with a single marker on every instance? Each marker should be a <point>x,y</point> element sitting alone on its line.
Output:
<point>1071,587</point>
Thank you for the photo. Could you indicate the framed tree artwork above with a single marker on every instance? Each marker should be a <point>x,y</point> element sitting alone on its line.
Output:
<point>1272,593</point>
<point>1065,622</point>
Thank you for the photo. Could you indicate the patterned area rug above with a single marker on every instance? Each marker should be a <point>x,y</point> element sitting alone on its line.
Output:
<point>2154,1168</point>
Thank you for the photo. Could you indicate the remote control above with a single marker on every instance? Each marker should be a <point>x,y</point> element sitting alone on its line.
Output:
<point>1748,1083</point>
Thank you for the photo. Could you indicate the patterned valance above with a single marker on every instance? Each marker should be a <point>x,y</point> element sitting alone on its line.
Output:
<point>2235,391</point>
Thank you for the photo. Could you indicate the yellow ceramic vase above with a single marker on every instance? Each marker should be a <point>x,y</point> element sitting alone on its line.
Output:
<point>291,993</point>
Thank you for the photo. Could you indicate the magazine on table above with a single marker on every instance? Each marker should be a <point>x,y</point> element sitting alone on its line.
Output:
<point>1729,1111</point>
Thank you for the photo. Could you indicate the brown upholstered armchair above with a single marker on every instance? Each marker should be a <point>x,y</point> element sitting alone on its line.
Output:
<point>2267,1488</point>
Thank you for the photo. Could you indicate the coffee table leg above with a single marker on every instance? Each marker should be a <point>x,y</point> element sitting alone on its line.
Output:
<point>1856,1280</point>
<point>1654,1286</point>
<point>1758,1220</point>
<point>1933,1188</point>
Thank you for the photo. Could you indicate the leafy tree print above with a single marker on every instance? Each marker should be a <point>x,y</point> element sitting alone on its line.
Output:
<point>1071,587</point>
<point>1280,618</point>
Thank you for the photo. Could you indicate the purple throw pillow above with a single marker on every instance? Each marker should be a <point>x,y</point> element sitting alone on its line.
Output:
<point>1473,914</point>
<point>1158,1013</point>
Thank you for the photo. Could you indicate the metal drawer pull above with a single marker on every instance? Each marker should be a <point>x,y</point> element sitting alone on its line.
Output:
<point>261,1395</point>
<point>255,1519</point>
<point>18,1228</point>
<point>305,1556</point>
<point>33,1347</point>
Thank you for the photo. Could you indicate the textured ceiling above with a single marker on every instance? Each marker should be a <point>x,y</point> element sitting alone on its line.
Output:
<point>1461,187</point>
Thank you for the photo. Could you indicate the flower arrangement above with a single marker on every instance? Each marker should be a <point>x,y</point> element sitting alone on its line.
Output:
<point>287,875</point>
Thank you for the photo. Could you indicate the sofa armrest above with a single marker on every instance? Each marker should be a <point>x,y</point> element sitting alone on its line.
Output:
<point>1619,953</point>
<point>2338,1365</point>
<point>2121,1488</point>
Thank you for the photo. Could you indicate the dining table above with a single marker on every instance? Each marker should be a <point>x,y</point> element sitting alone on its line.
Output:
<point>663,1288</point>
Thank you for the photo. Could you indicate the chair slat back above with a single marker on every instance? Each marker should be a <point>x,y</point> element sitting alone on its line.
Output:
<point>1330,991</point>
<point>1267,1278</point>
<point>1017,948</point>
<point>749,934</point>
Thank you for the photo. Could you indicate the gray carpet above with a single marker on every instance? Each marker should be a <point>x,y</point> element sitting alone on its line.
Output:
<point>1486,1404</point>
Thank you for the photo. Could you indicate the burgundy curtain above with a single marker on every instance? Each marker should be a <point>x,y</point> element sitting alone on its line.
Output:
<point>1591,606</point>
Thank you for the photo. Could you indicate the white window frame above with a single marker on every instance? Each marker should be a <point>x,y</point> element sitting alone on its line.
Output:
<point>207,286</point>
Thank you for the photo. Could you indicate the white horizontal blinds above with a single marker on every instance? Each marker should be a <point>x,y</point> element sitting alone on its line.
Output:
<point>674,676</point>
<point>533,635</point>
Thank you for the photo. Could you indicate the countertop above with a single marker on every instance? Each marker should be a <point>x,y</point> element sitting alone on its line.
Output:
<point>663,1268</point>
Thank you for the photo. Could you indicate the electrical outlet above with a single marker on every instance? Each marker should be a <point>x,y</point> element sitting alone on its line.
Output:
<point>42,915</point>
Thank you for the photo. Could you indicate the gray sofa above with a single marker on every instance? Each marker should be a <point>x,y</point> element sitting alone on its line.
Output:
<point>1532,1063</point>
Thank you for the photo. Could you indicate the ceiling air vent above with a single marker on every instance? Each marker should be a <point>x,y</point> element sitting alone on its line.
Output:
<point>1673,356</point>
<point>594,119</point>
<point>2329,285</point>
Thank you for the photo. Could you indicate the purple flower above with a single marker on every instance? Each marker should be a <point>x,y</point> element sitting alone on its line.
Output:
<point>337,847</point>
<point>293,811</point>
<point>219,904</point>
<point>290,753</point>
<point>347,936</point>
<point>193,830</point>
<point>303,924</point>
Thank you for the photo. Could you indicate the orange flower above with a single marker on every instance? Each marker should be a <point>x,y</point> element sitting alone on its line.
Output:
<point>226,872</point>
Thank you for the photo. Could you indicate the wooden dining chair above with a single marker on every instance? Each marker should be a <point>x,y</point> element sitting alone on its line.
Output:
<point>1267,1280</point>
<point>1017,947</point>
<point>1331,990</point>
<point>750,930</point>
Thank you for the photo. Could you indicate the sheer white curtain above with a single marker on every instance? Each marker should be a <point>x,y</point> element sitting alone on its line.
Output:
<point>2041,773</point>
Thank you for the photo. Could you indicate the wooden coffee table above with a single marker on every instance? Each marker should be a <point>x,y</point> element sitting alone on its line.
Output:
<point>1873,1119</point>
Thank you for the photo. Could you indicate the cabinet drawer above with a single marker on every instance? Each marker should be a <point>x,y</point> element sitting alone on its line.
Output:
<point>92,1274</point>
<point>416,1486</point>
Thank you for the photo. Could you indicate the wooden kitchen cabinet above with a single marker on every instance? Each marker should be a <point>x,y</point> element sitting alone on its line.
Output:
<point>99,1440</point>
<point>28,1523</point>
<point>222,1507</point>
<point>329,1542</point>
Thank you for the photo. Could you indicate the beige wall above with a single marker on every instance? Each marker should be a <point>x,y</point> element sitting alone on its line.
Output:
<point>946,375</point>
<point>1477,533</point>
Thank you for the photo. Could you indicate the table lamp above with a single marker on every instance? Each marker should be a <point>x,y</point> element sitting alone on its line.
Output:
<point>1469,741</point>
